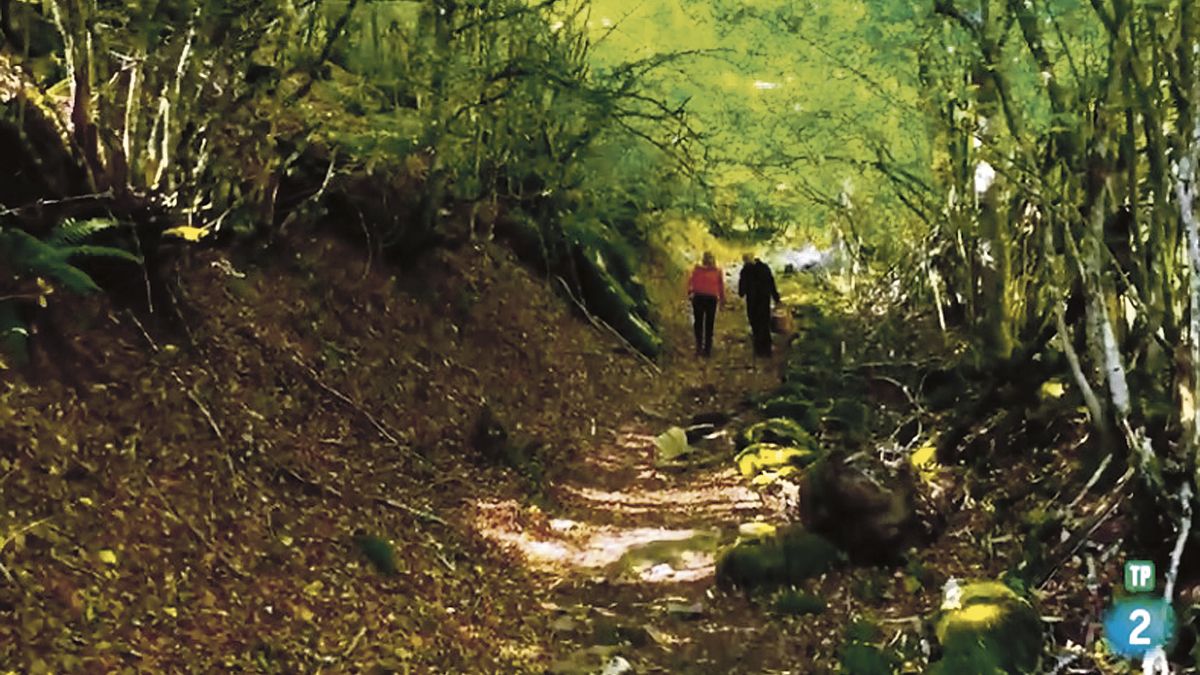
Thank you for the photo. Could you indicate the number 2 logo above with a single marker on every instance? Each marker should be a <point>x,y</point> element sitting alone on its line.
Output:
<point>1135,625</point>
<point>1142,616</point>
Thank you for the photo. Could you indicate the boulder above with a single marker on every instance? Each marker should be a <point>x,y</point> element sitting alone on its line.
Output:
<point>985,628</point>
<point>789,557</point>
<point>862,506</point>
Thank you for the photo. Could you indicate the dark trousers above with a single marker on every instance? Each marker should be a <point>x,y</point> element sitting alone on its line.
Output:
<point>704,309</point>
<point>759,314</point>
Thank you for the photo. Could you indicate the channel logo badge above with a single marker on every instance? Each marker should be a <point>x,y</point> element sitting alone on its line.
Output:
<point>1139,623</point>
<point>1139,576</point>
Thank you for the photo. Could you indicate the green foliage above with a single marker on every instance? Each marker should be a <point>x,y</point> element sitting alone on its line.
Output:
<point>861,653</point>
<point>871,585</point>
<point>605,280</point>
<point>28,262</point>
<point>778,430</point>
<point>28,256</point>
<point>14,336</point>
<point>862,659</point>
<point>760,458</point>
<point>378,551</point>
<point>789,557</point>
<point>793,406</point>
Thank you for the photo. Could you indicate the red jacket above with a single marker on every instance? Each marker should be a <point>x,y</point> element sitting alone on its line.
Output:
<point>707,281</point>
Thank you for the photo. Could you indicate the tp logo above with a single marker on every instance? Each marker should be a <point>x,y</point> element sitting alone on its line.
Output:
<point>1139,576</point>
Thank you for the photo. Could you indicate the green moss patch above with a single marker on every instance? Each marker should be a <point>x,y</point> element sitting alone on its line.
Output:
<point>788,558</point>
<point>985,629</point>
<point>861,653</point>
<point>793,602</point>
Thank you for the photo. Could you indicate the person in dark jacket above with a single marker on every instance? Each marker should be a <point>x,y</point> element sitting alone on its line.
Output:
<point>757,285</point>
<point>706,288</point>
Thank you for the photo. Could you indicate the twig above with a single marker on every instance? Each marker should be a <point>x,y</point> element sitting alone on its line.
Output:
<point>1185,530</point>
<point>7,211</point>
<point>1081,536</point>
<point>22,530</point>
<point>73,567</point>
<point>212,423</point>
<point>10,537</point>
<point>354,642</point>
<point>1091,481</point>
<point>334,492</point>
<point>652,413</point>
<point>903,389</point>
<point>382,428</point>
<point>315,198</point>
<point>423,515</point>
<point>8,575</point>
<point>145,333</point>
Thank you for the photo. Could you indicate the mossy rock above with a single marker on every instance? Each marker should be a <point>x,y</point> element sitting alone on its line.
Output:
<point>778,430</point>
<point>865,508</point>
<point>988,630</point>
<point>788,558</point>
<point>861,654</point>
<point>782,460</point>
<point>793,602</point>
<point>864,659</point>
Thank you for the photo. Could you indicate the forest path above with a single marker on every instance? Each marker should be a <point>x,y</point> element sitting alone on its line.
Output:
<point>628,547</point>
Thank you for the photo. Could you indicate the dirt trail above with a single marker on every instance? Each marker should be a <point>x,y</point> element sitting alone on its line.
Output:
<point>628,548</point>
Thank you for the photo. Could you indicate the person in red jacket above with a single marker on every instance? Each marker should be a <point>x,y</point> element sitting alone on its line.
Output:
<point>706,288</point>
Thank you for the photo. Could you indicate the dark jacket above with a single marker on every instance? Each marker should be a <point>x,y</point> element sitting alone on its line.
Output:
<point>757,284</point>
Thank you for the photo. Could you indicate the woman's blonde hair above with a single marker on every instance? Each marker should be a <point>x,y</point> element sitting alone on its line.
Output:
<point>708,259</point>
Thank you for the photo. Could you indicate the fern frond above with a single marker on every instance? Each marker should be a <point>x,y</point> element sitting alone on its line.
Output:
<point>71,232</point>
<point>99,252</point>
<point>72,278</point>
<point>14,336</point>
